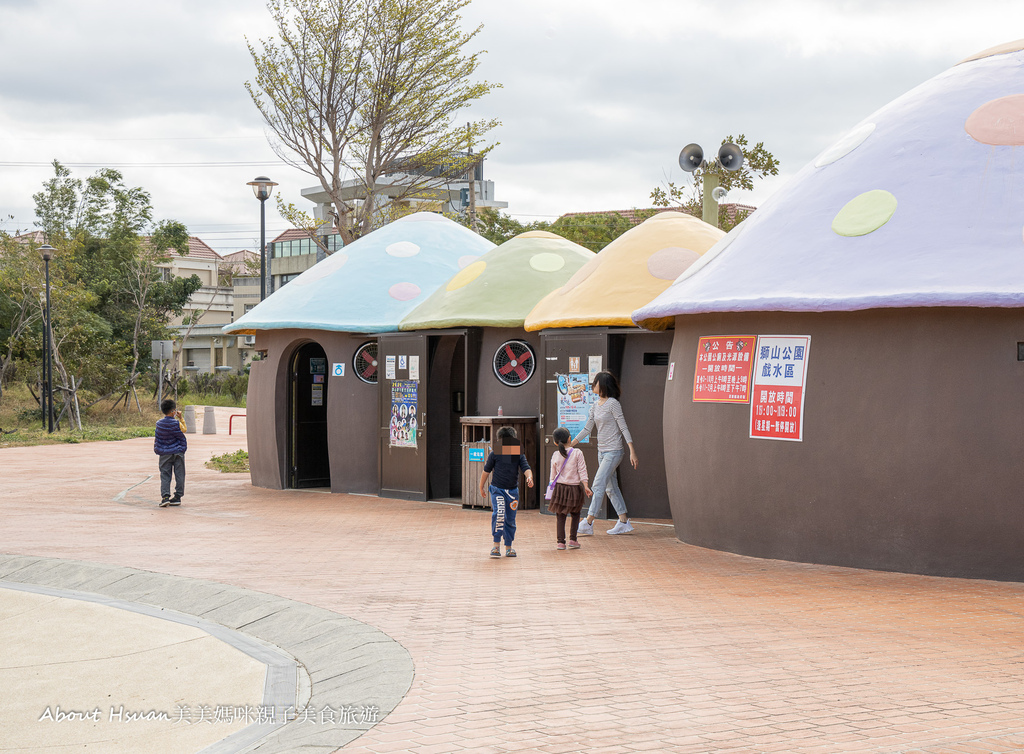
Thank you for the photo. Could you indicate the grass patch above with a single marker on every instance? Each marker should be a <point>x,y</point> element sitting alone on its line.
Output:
<point>21,418</point>
<point>207,399</point>
<point>237,462</point>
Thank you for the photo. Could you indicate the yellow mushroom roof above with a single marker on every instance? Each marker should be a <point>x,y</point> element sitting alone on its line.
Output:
<point>628,273</point>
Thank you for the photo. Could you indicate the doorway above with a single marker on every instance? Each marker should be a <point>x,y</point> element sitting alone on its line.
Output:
<point>308,460</point>
<point>425,378</point>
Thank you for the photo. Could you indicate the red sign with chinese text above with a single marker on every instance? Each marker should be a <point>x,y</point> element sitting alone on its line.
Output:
<point>722,374</point>
<point>779,379</point>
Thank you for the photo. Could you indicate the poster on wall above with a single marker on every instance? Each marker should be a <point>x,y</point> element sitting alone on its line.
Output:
<point>414,367</point>
<point>779,380</point>
<point>318,395</point>
<point>389,367</point>
<point>722,373</point>
<point>403,414</point>
<point>574,399</point>
<point>593,366</point>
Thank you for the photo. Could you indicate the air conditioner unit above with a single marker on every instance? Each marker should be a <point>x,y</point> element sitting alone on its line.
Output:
<point>250,340</point>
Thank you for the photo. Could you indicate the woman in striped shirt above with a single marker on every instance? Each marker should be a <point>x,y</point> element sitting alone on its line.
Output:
<point>606,415</point>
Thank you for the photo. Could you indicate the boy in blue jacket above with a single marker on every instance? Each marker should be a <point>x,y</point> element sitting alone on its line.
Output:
<point>170,444</point>
<point>504,488</point>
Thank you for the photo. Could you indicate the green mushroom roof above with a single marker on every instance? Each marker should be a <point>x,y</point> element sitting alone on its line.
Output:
<point>501,287</point>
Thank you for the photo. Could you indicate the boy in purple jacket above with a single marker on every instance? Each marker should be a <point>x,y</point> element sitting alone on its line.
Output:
<point>170,444</point>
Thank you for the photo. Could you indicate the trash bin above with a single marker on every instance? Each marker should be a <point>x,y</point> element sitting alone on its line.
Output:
<point>478,432</point>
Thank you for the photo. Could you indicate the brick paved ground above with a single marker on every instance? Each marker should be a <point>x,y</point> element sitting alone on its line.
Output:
<point>630,644</point>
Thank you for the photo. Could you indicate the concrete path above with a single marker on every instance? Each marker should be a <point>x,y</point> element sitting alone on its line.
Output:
<point>633,643</point>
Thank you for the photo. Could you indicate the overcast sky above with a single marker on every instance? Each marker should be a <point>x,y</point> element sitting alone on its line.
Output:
<point>599,96</point>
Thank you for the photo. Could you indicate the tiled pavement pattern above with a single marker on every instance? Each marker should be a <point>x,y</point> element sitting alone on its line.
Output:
<point>339,659</point>
<point>633,643</point>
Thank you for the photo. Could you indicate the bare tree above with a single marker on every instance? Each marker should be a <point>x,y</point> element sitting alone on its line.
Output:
<point>356,91</point>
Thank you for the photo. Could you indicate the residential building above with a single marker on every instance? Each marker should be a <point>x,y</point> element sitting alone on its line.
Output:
<point>292,253</point>
<point>205,348</point>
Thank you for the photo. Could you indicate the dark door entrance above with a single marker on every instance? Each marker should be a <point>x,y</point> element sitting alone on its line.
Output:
<point>566,366</point>
<point>425,390</point>
<point>308,461</point>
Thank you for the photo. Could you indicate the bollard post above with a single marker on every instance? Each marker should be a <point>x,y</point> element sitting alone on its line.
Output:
<point>209,421</point>
<point>189,415</point>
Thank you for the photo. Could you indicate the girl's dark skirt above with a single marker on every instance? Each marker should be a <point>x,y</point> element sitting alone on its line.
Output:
<point>568,499</point>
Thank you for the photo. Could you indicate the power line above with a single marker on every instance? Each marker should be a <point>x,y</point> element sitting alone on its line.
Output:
<point>143,164</point>
<point>133,138</point>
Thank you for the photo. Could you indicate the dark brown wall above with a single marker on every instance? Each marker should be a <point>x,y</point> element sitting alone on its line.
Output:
<point>912,452</point>
<point>351,408</point>
<point>514,401</point>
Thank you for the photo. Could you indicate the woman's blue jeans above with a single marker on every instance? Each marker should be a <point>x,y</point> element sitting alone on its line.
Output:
<point>605,481</point>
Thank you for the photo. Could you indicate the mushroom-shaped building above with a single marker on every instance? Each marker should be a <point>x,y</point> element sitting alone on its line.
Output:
<point>884,286</point>
<point>627,273</point>
<point>472,330</point>
<point>313,403</point>
<point>586,327</point>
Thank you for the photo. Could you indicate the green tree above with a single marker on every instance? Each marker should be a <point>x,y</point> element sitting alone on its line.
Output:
<point>596,230</point>
<point>355,91</point>
<point>107,292</point>
<point>497,227</point>
<point>21,281</point>
<point>758,162</point>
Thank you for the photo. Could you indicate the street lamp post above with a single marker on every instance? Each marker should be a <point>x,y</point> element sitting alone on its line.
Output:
<point>262,188</point>
<point>47,251</point>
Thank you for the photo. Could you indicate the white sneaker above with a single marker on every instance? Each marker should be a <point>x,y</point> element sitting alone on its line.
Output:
<point>621,527</point>
<point>585,529</point>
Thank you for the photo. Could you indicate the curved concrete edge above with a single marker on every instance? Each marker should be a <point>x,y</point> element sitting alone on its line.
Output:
<point>348,663</point>
<point>280,689</point>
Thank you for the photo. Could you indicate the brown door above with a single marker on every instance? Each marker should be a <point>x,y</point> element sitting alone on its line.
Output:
<point>566,370</point>
<point>402,359</point>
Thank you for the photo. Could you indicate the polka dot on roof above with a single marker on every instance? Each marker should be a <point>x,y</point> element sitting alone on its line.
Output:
<point>466,275</point>
<point>547,262</point>
<point>403,249</point>
<point>670,262</point>
<point>404,291</point>
<point>865,213</point>
<point>999,122</point>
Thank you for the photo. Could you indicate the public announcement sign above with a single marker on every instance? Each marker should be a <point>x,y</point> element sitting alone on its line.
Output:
<point>722,373</point>
<point>574,399</point>
<point>403,414</point>
<point>779,380</point>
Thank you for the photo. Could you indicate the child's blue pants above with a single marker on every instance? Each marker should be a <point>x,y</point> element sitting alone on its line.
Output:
<point>504,504</point>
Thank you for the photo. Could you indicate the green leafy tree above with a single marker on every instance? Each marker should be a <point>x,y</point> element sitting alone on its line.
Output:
<point>593,231</point>
<point>355,91</point>
<point>107,292</point>
<point>596,230</point>
<point>497,227</point>
<point>758,162</point>
<point>21,281</point>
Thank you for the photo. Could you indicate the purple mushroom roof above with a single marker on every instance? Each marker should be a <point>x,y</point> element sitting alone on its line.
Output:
<point>921,204</point>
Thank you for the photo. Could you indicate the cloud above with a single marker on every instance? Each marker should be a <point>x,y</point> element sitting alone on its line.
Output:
<point>598,96</point>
